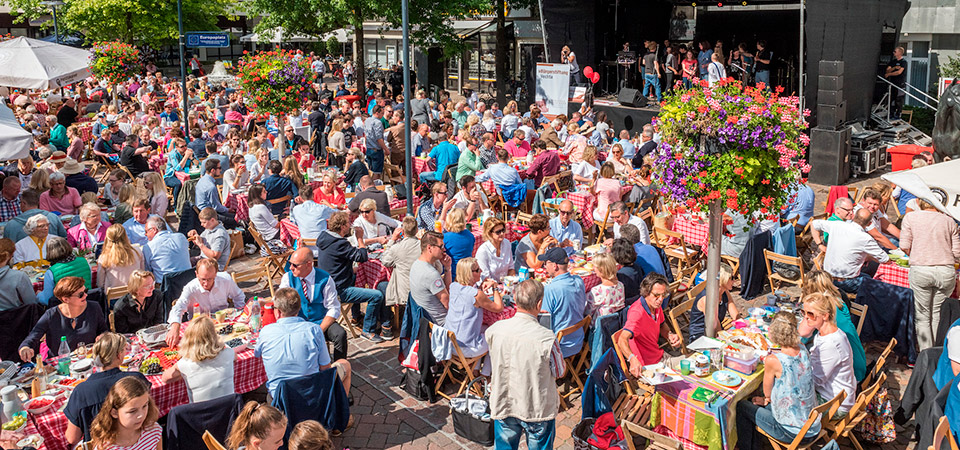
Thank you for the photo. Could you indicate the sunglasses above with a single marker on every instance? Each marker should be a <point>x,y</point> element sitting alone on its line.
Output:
<point>566,212</point>
<point>293,264</point>
<point>364,211</point>
<point>810,314</point>
<point>498,231</point>
<point>476,270</point>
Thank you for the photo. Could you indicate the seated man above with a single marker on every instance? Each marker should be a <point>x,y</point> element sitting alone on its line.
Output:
<point>214,242</point>
<point>517,146</point>
<point>336,256</point>
<point>294,347</point>
<point>278,187</point>
<point>134,155</point>
<point>565,230</point>
<point>564,298</point>
<point>850,246</point>
<point>319,302</point>
<point>369,190</point>
<point>648,258</point>
<point>546,163</point>
<point>502,173</point>
<point>800,205</point>
<point>619,218</point>
<point>842,211</point>
<point>470,198</point>
<point>429,287</point>
<point>310,217</point>
<point>211,291</point>
<point>885,233</point>
<point>445,153</point>
<point>645,325</point>
<point>166,251</point>
<point>136,225</point>
<point>436,209</point>
<point>78,180</point>
<point>208,196</point>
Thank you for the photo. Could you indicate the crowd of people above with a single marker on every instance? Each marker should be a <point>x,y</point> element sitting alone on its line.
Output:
<point>56,211</point>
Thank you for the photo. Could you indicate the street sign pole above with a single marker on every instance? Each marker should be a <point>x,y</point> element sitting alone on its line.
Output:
<point>406,105</point>
<point>183,73</point>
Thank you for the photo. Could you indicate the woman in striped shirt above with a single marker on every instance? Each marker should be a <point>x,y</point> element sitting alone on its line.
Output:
<point>128,418</point>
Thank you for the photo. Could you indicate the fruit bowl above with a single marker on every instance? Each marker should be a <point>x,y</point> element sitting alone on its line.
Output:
<point>17,424</point>
<point>40,405</point>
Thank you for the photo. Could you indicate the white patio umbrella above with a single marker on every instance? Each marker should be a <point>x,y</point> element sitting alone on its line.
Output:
<point>937,184</point>
<point>14,140</point>
<point>32,64</point>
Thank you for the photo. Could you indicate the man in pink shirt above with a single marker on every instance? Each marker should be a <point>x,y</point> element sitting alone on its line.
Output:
<point>517,147</point>
<point>60,198</point>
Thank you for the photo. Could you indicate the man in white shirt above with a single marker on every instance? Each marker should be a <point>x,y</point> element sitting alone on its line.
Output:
<point>211,290</point>
<point>565,230</point>
<point>309,216</point>
<point>470,198</point>
<point>619,217</point>
<point>849,247</point>
<point>322,306</point>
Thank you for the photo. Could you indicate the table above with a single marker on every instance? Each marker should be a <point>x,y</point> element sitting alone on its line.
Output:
<point>422,165</point>
<point>158,163</point>
<point>289,232</point>
<point>249,374</point>
<point>371,273</point>
<point>694,230</point>
<point>238,203</point>
<point>697,423</point>
<point>402,203</point>
<point>585,203</point>
<point>891,273</point>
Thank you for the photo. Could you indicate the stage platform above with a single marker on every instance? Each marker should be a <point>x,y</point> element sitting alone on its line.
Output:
<point>623,117</point>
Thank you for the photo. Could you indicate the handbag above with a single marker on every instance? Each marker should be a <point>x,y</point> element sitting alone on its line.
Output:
<point>877,426</point>
<point>466,408</point>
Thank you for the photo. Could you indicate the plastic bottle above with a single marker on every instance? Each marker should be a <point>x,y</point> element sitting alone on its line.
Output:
<point>63,357</point>
<point>255,315</point>
<point>196,310</point>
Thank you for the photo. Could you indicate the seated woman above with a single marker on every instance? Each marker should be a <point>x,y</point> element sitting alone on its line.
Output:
<point>458,241</point>
<point>620,163</point>
<point>263,220</point>
<point>206,365</point>
<point>16,290</point>
<point>372,226</point>
<point>583,171</point>
<point>467,303</point>
<point>697,319</point>
<point>84,403</point>
<point>91,231</point>
<point>118,260</point>
<point>606,297</point>
<point>309,435</point>
<point>630,274</point>
<point>63,263</point>
<point>356,168</point>
<point>535,243</point>
<point>639,339</point>
<point>74,318</point>
<point>157,191</point>
<point>237,176</point>
<point>329,194</point>
<point>60,198</point>
<point>125,199</point>
<point>34,246</point>
<point>141,307</point>
<point>495,255</point>
<point>258,427</point>
<point>788,391</point>
<point>821,281</point>
<point>830,356</point>
<point>111,191</point>
<point>607,190</point>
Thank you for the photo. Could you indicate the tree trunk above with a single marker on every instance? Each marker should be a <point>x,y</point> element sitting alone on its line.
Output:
<point>360,71</point>
<point>500,66</point>
<point>128,23</point>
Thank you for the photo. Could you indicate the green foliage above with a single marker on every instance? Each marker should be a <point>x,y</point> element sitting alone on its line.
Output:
<point>922,118</point>
<point>275,81</point>
<point>141,22</point>
<point>950,69</point>
<point>333,46</point>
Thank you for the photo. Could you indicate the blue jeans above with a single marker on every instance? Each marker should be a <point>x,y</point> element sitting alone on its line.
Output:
<point>374,299</point>
<point>850,285</point>
<point>763,76</point>
<point>174,183</point>
<point>539,434</point>
<point>687,83</point>
<point>375,160</point>
<point>428,177</point>
<point>651,80</point>
<point>750,416</point>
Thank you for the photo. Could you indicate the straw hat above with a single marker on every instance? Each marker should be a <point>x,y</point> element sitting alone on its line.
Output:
<point>71,167</point>
<point>58,157</point>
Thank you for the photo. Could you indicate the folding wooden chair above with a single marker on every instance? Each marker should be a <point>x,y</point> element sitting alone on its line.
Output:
<point>775,278</point>
<point>634,404</point>
<point>647,216</point>
<point>274,261</point>
<point>603,227</point>
<point>655,441</point>
<point>550,209</point>
<point>457,361</point>
<point>678,289</point>
<point>878,365</point>
<point>675,246</point>
<point>734,264</point>
<point>844,427</point>
<point>211,442</point>
<point>818,261</point>
<point>860,311</point>
<point>524,218</point>
<point>284,199</point>
<point>943,432</point>
<point>805,237</point>
<point>398,213</point>
<point>258,274</point>
<point>575,363</point>
<point>345,319</point>
<point>826,411</point>
<point>681,310</point>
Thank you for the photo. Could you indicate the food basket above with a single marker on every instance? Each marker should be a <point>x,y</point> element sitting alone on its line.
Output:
<point>154,336</point>
<point>746,367</point>
<point>7,370</point>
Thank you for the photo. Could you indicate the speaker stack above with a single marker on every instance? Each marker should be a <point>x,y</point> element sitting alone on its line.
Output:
<point>830,139</point>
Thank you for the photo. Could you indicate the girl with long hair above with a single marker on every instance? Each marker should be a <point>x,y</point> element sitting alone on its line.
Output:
<point>258,427</point>
<point>128,418</point>
<point>291,170</point>
<point>118,260</point>
<point>156,190</point>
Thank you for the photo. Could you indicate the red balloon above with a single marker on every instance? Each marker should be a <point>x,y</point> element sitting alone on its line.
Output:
<point>595,78</point>
<point>588,72</point>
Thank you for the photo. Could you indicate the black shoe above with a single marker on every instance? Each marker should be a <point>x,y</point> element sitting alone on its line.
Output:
<point>376,339</point>
<point>350,398</point>
<point>387,334</point>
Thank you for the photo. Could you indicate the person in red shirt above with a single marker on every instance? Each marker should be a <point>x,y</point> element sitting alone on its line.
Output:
<point>517,147</point>
<point>329,194</point>
<point>304,157</point>
<point>545,164</point>
<point>645,324</point>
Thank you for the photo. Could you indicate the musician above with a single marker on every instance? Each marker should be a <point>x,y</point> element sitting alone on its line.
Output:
<point>567,56</point>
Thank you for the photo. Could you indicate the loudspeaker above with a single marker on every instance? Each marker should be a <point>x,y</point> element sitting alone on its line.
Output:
<point>829,156</point>
<point>826,97</point>
<point>831,68</point>
<point>631,97</point>
<point>831,116</point>
<point>830,82</point>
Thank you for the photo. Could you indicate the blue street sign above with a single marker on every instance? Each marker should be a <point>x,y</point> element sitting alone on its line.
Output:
<point>208,39</point>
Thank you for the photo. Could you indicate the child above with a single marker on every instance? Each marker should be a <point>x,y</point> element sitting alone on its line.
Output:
<point>128,418</point>
<point>258,427</point>
<point>309,435</point>
<point>606,297</point>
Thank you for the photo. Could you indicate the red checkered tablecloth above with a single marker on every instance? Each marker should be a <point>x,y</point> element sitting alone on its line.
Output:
<point>158,163</point>
<point>238,203</point>
<point>489,317</point>
<point>371,273</point>
<point>891,273</point>
<point>402,203</point>
<point>288,232</point>
<point>585,203</point>
<point>248,375</point>
<point>38,284</point>
<point>422,165</point>
<point>695,231</point>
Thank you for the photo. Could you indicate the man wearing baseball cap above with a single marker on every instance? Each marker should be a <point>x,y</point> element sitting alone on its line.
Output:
<point>564,298</point>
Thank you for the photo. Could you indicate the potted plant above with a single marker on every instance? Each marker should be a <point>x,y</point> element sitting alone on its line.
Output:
<point>275,82</point>
<point>114,62</point>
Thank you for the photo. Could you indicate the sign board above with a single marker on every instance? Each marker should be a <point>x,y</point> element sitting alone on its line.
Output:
<point>944,84</point>
<point>209,39</point>
<point>553,87</point>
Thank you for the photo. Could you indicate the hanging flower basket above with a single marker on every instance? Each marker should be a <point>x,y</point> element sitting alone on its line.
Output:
<point>275,82</point>
<point>114,61</point>
<point>740,145</point>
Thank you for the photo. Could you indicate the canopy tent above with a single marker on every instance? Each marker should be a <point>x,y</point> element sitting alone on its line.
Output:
<point>937,184</point>
<point>275,36</point>
<point>33,64</point>
<point>14,140</point>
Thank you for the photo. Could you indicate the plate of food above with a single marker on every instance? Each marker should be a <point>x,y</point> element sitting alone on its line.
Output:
<point>656,374</point>
<point>745,338</point>
<point>40,405</point>
<point>581,271</point>
<point>727,378</point>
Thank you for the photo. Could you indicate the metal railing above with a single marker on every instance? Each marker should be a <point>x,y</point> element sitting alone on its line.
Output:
<point>892,86</point>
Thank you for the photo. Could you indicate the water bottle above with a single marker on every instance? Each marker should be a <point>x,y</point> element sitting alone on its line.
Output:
<point>255,315</point>
<point>63,357</point>
<point>196,310</point>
